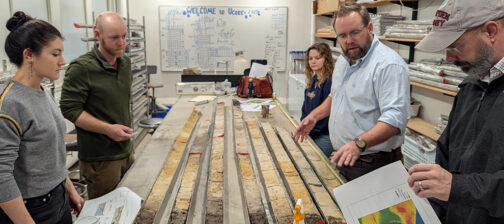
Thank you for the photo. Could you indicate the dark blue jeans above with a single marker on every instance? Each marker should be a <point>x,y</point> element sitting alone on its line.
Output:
<point>324,143</point>
<point>52,207</point>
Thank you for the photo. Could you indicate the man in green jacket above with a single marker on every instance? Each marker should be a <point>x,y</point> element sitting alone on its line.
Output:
<point>96,98</point>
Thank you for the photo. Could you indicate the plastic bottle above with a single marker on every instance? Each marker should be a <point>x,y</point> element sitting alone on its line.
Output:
<point>240,63</point>
<point>297,62</point>
<point>226,85</point>
<point>300,62</point>
<point>299,215</point>
<point>292,62</point>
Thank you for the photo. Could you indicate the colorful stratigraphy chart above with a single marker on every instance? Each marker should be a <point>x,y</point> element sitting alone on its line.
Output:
<point>402,213</point>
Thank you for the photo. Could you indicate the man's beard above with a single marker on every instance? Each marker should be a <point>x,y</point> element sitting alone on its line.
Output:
<point>111,51</point>
<point>483,62</point>
<point>362,50</point>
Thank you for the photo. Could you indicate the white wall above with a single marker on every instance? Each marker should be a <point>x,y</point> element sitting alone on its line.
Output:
<point>4,16</point>
<point>74,46</point>
<point>298,35</point>
<point>34,8</point>
<point>433,103</point>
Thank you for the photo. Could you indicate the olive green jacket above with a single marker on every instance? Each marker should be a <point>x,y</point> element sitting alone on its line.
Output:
<point>91,84</point>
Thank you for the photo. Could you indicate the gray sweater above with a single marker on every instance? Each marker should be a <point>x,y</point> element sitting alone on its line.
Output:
<point>32,145</point>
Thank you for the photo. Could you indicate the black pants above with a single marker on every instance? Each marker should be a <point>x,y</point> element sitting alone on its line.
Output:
<point>370,162</point>
<point>52,207</point>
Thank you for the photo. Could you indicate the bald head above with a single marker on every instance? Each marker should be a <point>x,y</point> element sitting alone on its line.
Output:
<point>111,32</point>
<point>107,19</point>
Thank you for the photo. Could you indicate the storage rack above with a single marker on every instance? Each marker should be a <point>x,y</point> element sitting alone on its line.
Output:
<point>139,108</point>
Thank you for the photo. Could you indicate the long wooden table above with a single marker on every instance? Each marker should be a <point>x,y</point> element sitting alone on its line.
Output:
<point>210,179</point>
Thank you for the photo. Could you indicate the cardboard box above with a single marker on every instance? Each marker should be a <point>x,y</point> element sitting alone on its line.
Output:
<point>327,6</point>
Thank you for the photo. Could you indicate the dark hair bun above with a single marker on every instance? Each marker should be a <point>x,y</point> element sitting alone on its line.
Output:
<point>17,20</point>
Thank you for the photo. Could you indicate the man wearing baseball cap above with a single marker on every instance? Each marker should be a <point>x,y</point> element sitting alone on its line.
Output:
<point>467,183</point>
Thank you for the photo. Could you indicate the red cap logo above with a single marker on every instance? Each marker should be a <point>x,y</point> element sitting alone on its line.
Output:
<point>442,18</point>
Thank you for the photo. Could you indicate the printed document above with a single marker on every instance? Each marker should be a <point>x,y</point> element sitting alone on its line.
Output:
<point>120,206</point>
<point>383,196</point>
<point>258,70</point>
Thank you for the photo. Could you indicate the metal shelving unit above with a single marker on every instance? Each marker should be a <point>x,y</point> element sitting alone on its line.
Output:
<point>139,108</point>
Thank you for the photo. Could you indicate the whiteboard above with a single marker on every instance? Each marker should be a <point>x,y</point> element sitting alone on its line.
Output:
<point>200,36</point>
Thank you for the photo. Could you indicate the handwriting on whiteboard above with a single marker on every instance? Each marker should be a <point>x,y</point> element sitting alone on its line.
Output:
<point>201,36</point>
<point>197,11</point>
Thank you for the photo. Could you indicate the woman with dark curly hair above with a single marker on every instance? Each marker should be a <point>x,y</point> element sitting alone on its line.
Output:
<point>34,183</point>
<point>319,65</point>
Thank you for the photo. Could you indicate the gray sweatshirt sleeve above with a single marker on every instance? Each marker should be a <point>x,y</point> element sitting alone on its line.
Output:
<point>10,140</point>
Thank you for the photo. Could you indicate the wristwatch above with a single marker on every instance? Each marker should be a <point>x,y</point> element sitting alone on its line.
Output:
<point>360,143</point>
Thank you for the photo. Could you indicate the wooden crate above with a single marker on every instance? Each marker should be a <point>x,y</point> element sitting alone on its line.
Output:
<point>325,6</point>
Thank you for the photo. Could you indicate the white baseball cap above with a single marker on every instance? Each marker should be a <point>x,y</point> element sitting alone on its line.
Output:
<point>454,17</point>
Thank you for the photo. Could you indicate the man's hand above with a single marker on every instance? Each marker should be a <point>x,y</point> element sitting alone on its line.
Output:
<point>346,155</point>
<point>304,128</point>
<point>430,181</point>
<point>119,132</point>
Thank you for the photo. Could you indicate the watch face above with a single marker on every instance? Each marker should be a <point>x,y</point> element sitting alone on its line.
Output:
<point>360,143</point>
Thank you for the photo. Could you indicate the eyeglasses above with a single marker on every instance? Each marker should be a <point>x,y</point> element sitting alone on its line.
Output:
<point>455,48</point>
<point>352,34</point>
